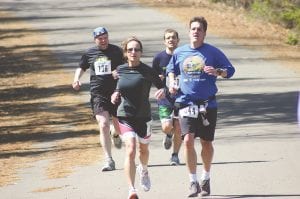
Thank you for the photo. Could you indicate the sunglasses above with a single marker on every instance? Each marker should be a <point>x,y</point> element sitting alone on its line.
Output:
<point>134,49</point>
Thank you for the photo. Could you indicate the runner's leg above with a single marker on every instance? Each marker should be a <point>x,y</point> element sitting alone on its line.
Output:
<point>115,122</point>
<point>176,137</point>
<point>207,153</point>
<point>129,164</point>
<point>103,123</point>
<point>190,153</point>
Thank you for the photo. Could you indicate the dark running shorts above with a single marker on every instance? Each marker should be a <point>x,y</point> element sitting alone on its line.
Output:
<point>140,126</point>
<point>195,125</point>
<point>101,103</point>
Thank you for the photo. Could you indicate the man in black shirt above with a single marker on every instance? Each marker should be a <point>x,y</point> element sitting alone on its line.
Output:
<point>102,61</point>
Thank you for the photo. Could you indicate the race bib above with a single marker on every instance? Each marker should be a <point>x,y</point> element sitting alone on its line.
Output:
<point>175,83</point>
<point>102,66</point>
<point>189,111</point>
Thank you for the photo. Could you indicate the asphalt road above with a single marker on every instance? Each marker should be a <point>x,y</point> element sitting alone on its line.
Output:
<point>257,139</point>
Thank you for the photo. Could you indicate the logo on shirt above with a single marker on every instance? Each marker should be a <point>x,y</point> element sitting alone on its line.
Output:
<point>193,64</point>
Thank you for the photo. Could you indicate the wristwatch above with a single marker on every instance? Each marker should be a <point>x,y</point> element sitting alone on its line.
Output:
<point>219,71</point>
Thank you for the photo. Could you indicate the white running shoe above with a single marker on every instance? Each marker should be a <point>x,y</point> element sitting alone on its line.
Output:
<point>109,165</point>
<point>144,178</point>
<point>132,194</point>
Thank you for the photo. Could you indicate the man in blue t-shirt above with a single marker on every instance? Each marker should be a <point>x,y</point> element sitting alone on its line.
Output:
<point>198,64</point>
<point>167,113</point>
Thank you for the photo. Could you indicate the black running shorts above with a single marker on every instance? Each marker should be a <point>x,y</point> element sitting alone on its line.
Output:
<point>195,125</point>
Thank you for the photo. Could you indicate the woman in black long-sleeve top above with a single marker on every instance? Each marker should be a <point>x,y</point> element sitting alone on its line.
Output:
<point>134,111</point>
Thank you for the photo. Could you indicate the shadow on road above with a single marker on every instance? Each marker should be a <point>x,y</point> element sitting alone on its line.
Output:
<point>259,108</point>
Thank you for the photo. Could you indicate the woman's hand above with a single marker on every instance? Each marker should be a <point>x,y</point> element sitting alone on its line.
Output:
<point>115,74</point>
<point>161,77</point>
<point>115,97</point>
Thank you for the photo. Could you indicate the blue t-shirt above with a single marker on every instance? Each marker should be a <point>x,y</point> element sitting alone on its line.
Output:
<point>159,63</point>
<point>194,84</point>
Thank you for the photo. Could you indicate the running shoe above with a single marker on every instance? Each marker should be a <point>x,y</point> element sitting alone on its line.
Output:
<point>116,139</point>
<point>174,161</point>
<point>132,194</point>
<point>144,178</point>
<point>205,188</point>
<point>109,165</point>
<point>167,141</point>
<point>194,189</point>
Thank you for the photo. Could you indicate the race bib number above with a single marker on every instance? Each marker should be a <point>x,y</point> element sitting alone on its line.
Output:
<point>175,83</point>
<point>189,111</point>
<point>102,67</point>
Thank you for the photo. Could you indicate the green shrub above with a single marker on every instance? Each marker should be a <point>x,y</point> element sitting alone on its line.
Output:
<point>291,17</point>
<point>284,12</point>
<point>292,39</point>
<point>261,8</point>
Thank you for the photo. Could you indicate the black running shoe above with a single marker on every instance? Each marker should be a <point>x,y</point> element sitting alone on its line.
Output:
<point>194,189</point>
<point>205,187</point>
<point>174,160</point>
<point>167,141</point>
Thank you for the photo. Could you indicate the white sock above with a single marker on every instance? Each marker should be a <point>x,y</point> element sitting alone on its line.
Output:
<point>205,175</point>
<point>132,189</point>
<point>107,158</point>
<point>145,167</point>
<point>193,177</point>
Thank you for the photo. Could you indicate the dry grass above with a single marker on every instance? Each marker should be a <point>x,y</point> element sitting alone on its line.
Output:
<point>38,105</point>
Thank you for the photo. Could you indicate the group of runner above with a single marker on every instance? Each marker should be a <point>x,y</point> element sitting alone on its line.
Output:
<point>185,78</point>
